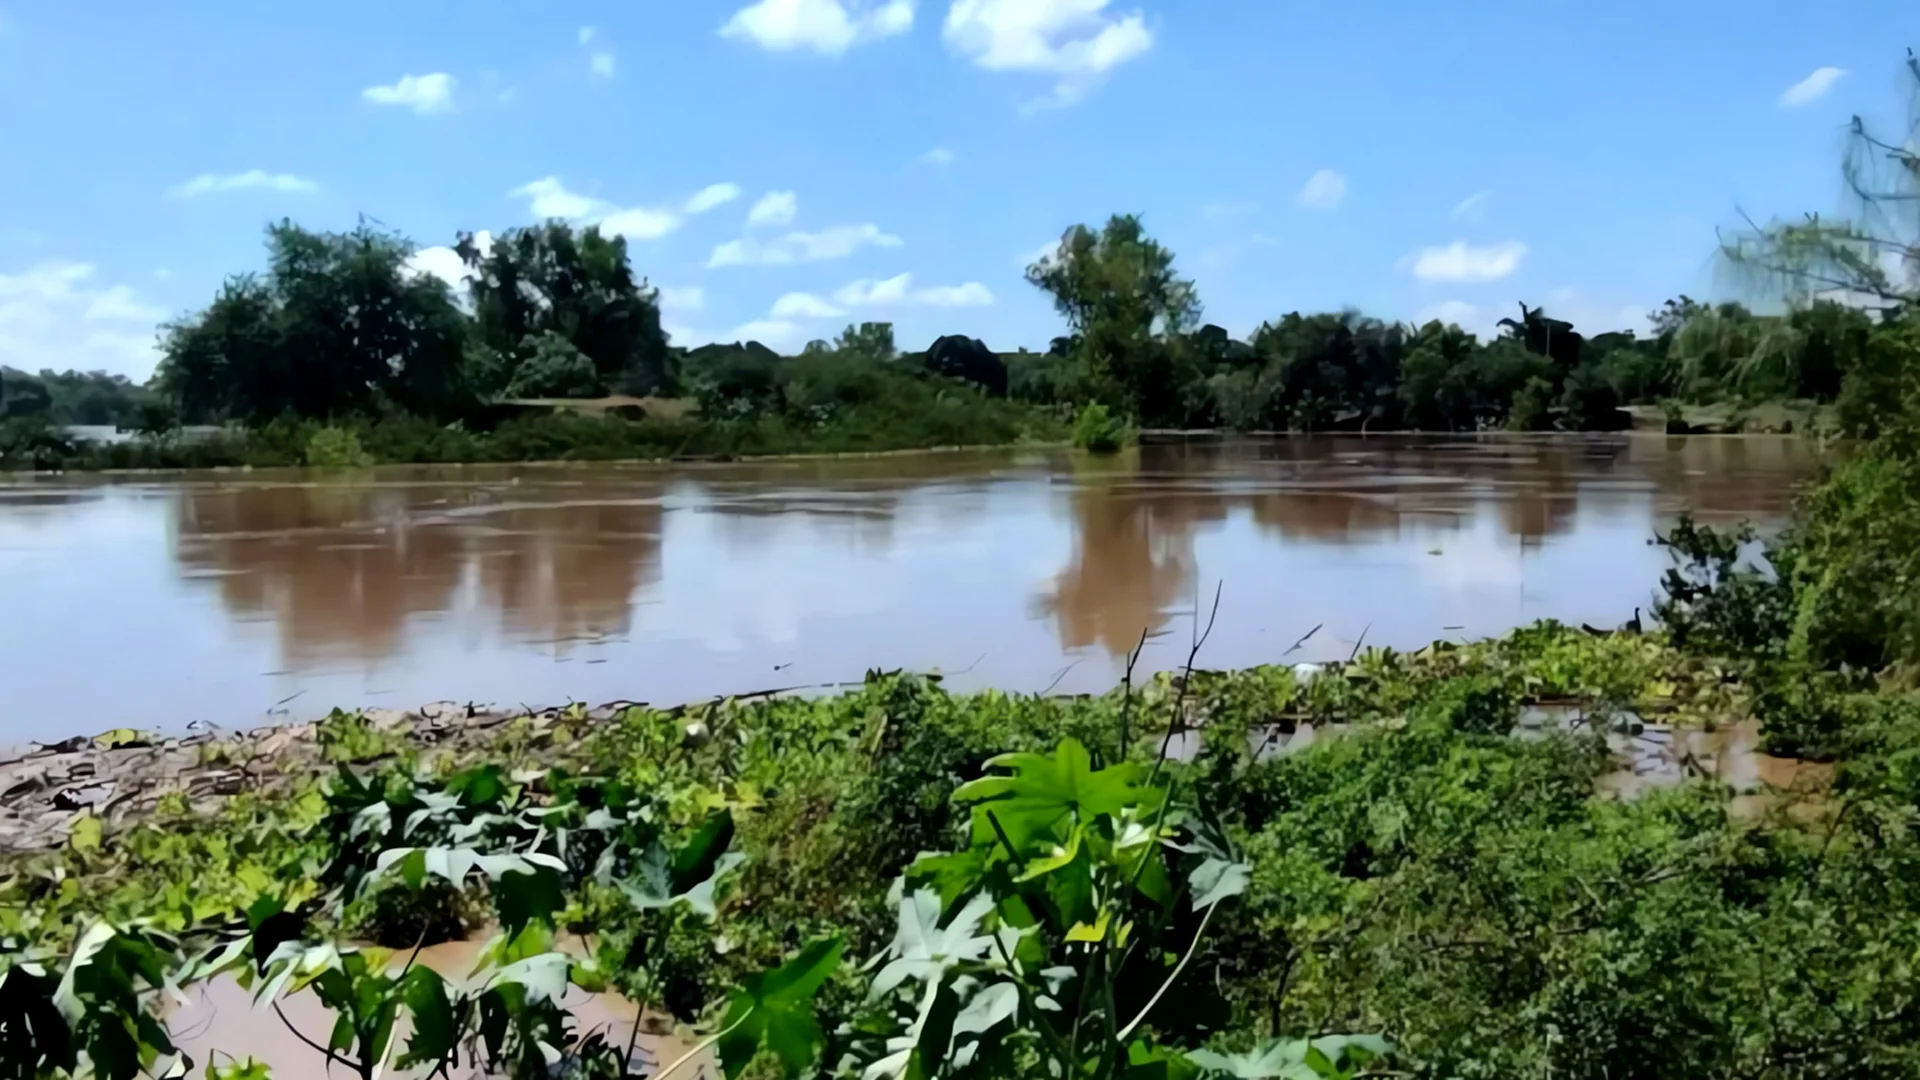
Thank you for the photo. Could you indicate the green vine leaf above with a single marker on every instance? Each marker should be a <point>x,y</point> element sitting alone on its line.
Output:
<point>775,1009</point>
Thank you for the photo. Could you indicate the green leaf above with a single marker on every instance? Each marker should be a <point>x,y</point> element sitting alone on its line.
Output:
<point>435,1035</point>
<point>248,1069</point>
<point>1149,1062</point>
<point>85,833</point>
<point>1045,794</point>
<point>923,950</point>
<point>1215,880</point>
<point>121,738</point>
<point>775,1009</point>
<point>1296,1059</point>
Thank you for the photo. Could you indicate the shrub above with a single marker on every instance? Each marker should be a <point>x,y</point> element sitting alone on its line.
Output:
<point>1097,431</point>
<point>336,448</point>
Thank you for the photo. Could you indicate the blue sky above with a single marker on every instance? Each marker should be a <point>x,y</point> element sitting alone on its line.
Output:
<point>778,166</point>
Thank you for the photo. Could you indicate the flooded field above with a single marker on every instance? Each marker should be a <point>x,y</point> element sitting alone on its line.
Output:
<point>236,599</point>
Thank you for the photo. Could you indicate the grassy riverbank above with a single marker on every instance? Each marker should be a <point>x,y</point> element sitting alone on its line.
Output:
<point>1410,868</point>
<point>958,420</point>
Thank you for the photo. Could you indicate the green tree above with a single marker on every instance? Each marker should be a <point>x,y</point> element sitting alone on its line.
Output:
<point>338,323</point>
<point>577,284</point>
<point>553,368</point>
<point>870,341</point>
<point>1126,305</point>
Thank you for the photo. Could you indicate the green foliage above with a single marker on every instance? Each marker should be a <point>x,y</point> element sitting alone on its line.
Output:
<point>1098,431</point>
<point>92,398</point>
<point>551,367</point>
<point>552,281</point>
<point>338,322</point>
<point>336,448</point>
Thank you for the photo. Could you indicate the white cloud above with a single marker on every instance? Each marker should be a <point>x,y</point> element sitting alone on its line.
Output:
<point>208,183</point>
<point>442,262</point>
<point>711,196</point>
<point>826,27</point>
<point>445,263</point>
<point>833,242</point>
<point>774,208</point>
<point>939,155</point>
<point>1812,88</point>
<point>547,197</point>
<point>773,333</point>
<point>800,305</point>
<point>970,294</point>
<point>690,298</point>
<point>1044,251</point>
<point>1460,261</point>
<point>1470,207</point>
<point>1073,39</point>
<point>422,93</point>
<point>899,290</point>
<point>57,315</point>
<point>1324,190</point>
<point>640,223</point>
<point>601,65</point>
<point>869,292</point>
<point>586,34</point>
<point>1470,317</point>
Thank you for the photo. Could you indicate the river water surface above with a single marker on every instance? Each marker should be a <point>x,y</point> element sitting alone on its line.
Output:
<point>238,598</point>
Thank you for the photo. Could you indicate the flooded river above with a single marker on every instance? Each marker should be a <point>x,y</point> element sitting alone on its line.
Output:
<point>237,598</point>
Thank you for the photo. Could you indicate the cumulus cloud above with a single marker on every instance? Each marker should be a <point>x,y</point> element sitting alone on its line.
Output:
<point>548,197</point>
<point>1812,88</point>
<point>445,263</point>
<point>711,196</point>
<point>898,291</point>
<point>1470,207</point>
<point>601,65</point>
<point>800,305</point>
<point>1075,40</point>
<point>939,155</point>
<point>252,180</point>
<point>1324,190</point>
<point>833,242</point>
<point>1482,322</point>
<point>826,27</point>
<point>690,298</point>
<point>774,208</point>
<point>1461,261</point>
<point>423,94</point>
<point>773,333</point>
<point>58,314</point>
<point>586,34</point>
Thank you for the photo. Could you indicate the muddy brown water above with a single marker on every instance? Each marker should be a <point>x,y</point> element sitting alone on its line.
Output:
<point>239,599</point>
<point>220,1023</point>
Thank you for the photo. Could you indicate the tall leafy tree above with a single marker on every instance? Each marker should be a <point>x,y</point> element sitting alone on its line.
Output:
<point>577,284</point>
<point>338,323</point>
<point>1126,305</point>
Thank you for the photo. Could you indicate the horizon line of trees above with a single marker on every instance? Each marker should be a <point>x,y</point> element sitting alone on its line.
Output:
<point>341,324</point>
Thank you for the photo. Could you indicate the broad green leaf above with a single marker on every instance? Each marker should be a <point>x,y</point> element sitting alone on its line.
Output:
<point>248,1069</point>
<point>775,1009</point>
<point>435,1033</point>
<point>1046,792</point>
<point>544,976</point>
<point>923,950</point>
<point>85,833</point>
<point>1215,880</point>
<point>1149,1062</point>
<point>1094,933</point>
